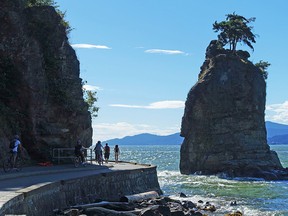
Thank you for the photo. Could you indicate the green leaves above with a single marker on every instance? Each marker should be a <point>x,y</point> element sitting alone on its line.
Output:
<point>90,98</point>
<point>263,65</point>
<point>31,3</point>
<point>234,30</point>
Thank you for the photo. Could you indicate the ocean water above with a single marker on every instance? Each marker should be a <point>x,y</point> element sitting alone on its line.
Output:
<point>253,198</point>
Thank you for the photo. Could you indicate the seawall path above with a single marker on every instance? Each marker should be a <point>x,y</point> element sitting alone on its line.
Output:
<point>37,188</point>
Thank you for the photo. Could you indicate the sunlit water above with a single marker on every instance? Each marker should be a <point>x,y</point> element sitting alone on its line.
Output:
<point>253,197</point>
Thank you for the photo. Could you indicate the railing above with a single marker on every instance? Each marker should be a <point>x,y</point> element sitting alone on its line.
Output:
<point>61,154</point>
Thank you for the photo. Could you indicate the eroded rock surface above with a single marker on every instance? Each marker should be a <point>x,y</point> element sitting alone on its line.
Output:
<point>223,123</point>
<point>41,95</point>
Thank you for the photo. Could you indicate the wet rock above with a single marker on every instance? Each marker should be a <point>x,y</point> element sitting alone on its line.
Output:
<point>237,213</point>
<point>182,195</point>
<point>164,210</point>
<point>188,205</point>
<point>161,201</point>
<point>196,214</point>
<point>177,213</point>
<point>210,208</point>
<point>150,211</point>
<point>175,206</point>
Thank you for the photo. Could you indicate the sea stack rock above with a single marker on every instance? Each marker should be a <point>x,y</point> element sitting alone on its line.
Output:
<point>223,124</point>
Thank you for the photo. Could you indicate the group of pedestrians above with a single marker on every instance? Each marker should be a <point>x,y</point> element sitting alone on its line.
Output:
<point>98,150</point>
<point>15,146</point>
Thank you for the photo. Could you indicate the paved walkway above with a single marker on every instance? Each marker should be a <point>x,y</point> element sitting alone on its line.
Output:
<point>28,176</point>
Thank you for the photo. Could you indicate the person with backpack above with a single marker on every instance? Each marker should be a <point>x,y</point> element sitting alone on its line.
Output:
<point>15,146</point>
<point>117,153</point>
<point>98,153</point>
<point>106,153</point>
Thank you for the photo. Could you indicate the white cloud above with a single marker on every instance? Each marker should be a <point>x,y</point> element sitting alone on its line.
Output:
<point>105,131</point>
<point>277,112</point>
<point>89,46</point>
<point>162,51</point>
<point>91,88</point>
<point>155,105</point>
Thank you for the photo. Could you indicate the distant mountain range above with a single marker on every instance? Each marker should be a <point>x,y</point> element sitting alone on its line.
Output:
<point>276,134</point>
<point>147,139</point>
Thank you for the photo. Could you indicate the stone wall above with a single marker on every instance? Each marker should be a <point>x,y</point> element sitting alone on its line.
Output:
<point>43,198</point>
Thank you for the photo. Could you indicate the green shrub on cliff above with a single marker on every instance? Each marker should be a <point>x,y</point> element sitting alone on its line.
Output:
<point>234,30</point>
<point>31,3</point>
<point>90,98</point>
<point>263,65</point>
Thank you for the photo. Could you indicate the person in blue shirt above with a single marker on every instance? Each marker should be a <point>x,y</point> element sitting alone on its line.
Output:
<point>16,149</point>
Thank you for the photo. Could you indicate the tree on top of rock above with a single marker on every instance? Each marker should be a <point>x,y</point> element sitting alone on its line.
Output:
<point>235,29</point>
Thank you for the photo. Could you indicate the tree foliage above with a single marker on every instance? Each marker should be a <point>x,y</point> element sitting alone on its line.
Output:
<point>263,65</point>
<point>234,30</point>
<point>31,3</point>
<point>90,98</point>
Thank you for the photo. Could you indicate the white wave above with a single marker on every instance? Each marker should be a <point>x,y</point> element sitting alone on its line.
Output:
<point>166,173</point>
<point>248,179</point>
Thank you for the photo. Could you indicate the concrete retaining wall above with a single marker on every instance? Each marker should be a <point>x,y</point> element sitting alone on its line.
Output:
<point>42,199</point>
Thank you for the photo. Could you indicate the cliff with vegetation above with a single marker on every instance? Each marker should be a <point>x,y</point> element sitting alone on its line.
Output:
<point>41,96</point>
<point>223,123</point>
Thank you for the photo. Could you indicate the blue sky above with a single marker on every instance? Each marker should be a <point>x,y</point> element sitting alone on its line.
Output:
<point>143,57</point>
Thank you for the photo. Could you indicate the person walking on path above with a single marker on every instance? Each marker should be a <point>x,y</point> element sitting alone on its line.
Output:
<point>117,153</point>
<point>16,148</point>
<point>106,153</point>
<point>98,152</point>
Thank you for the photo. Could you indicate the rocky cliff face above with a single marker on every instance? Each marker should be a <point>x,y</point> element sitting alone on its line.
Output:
<point>41,95</point>
<point>223,123</point>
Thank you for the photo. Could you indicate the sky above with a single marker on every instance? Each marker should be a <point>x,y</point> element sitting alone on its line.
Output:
<point>143,56</point>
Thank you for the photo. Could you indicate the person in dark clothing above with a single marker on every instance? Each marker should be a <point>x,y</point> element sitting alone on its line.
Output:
<point>79,151</point>
<point>117,153</point>
<point>98,153</point>
<point>106,153</point>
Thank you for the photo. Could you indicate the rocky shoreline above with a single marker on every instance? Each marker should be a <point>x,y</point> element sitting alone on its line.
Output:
<point>156,206</point>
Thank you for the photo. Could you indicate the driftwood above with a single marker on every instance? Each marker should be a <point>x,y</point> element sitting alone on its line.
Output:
<point>139,197</point>
<point>100,204</point>
<point>150,206</point>
<point>100,211</point>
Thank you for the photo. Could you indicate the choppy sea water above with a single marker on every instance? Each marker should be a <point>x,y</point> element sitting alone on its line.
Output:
<point>253,198</point>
